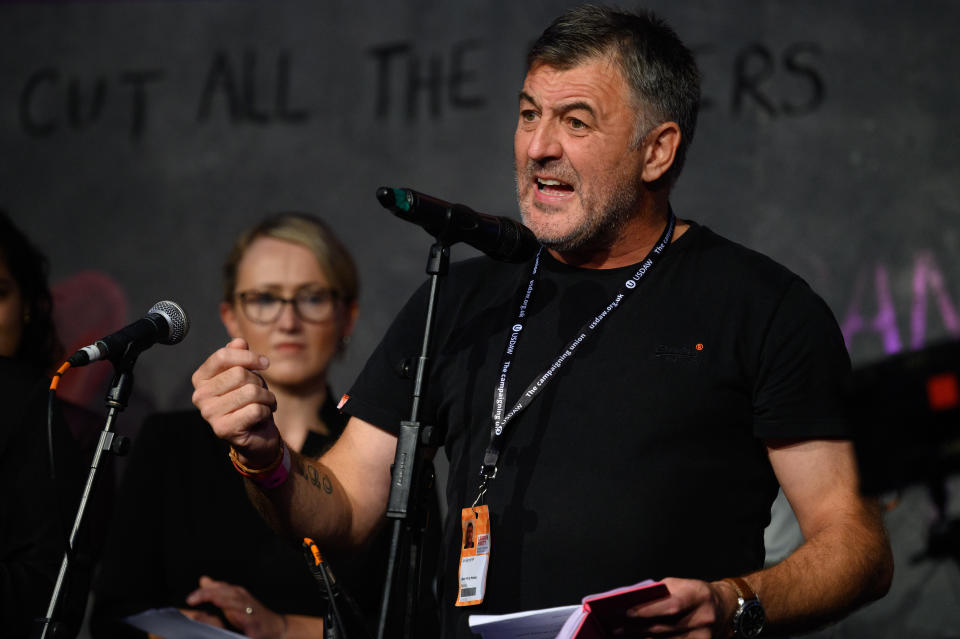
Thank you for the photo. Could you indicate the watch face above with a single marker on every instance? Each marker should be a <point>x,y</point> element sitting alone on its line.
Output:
<point>750,619</point>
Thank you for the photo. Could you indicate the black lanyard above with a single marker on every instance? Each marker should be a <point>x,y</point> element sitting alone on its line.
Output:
<point>500,419</point>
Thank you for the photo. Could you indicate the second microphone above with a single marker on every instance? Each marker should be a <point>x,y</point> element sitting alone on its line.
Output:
<point>501,238</point>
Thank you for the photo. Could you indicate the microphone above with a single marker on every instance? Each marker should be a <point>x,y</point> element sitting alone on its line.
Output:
<point>166,322</point>
<point>501,238</point>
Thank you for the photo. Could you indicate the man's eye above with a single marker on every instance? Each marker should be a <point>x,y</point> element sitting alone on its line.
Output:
<point>577,125</point>
<point>528,115</point>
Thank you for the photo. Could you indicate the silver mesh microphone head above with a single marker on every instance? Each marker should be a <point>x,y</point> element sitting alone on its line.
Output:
<point>177,321</point>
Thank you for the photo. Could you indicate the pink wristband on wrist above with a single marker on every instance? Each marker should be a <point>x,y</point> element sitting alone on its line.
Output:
<point>276,476</point>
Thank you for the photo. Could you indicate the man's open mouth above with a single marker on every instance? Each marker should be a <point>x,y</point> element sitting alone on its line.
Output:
<point>550,186</point>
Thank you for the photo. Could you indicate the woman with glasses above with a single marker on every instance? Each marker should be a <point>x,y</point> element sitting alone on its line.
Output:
<point>185,535</point>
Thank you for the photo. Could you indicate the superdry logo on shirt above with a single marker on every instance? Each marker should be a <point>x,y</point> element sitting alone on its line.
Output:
<point>679,353</point>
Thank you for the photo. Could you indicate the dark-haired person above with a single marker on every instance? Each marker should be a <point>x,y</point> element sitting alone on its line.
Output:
<point>671,377</point>
<point>35,510</point>
<point>185,534</point>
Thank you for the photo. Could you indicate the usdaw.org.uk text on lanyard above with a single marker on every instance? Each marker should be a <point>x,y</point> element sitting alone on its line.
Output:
<point>500,419</point>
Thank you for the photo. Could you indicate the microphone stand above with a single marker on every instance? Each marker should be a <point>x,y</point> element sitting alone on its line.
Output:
<point>335,626</point>
<point>110,442</point>
<point>412,474</point>
<point>332,621</point>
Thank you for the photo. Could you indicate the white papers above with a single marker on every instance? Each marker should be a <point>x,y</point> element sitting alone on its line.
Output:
<point>529,624</point>
<point>171,624</point>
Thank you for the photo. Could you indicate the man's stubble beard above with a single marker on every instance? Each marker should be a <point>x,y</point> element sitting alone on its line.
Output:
<point>603,220</point>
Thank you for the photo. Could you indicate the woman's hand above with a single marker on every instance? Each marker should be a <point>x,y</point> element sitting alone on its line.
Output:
<point>239,607</point>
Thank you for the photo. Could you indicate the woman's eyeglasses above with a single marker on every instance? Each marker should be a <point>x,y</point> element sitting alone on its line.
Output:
<point>310,305</point>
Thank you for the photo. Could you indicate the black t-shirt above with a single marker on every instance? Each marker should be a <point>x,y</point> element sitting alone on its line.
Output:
<point>644,457</point>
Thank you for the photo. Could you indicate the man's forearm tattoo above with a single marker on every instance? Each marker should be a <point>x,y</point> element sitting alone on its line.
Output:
<point>318,479</point>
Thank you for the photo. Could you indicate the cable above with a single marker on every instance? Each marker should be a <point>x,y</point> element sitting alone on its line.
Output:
<point>51,406</point>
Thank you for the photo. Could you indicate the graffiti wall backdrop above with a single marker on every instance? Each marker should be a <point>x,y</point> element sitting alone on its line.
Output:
<point>140,137</point>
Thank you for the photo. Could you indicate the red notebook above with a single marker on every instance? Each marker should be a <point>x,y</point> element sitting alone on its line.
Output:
<point>605,614</point>
<point>597,616</point>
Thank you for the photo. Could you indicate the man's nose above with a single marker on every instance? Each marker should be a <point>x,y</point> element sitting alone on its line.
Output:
<point>545,143</point>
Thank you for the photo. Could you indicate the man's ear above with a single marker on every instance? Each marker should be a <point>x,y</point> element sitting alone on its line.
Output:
<point>659,150</point>
<point>228,315</point>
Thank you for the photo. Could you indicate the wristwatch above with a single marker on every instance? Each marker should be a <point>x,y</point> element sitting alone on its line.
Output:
<point>749,617</point>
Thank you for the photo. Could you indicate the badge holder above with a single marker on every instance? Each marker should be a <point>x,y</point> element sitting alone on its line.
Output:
<point>474,555</point>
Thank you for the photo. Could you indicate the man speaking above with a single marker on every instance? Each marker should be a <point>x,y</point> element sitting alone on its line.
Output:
<point>634,393</point>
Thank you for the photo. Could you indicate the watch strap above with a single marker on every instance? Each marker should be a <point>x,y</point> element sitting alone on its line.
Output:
<point>744,591</point>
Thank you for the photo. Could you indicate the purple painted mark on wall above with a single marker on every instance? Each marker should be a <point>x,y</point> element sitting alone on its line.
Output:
<point>925,272</point>
<point>885,320</point>
<point>86,306</point>
<point>927,276</point>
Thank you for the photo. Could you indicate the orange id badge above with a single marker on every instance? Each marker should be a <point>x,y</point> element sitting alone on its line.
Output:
<point>474,555</point>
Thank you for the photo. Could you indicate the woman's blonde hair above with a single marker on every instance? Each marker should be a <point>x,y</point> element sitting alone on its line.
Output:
<point>302,228</point>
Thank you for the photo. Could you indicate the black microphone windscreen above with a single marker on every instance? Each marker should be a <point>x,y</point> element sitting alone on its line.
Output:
<point>518,243</point>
